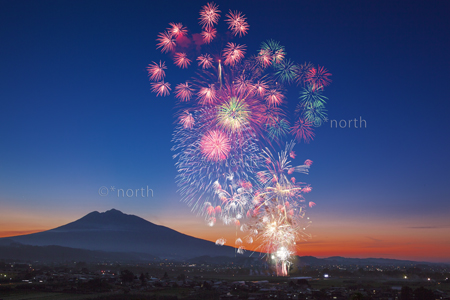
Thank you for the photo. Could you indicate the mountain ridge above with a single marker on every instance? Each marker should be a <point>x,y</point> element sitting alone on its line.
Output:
<point>114,231</point>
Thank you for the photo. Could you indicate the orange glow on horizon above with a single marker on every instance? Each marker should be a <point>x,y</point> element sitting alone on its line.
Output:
<point>329,237</point>
<point>10,233</point>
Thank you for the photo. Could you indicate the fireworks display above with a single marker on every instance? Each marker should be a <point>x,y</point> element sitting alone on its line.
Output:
<point>231,116</point>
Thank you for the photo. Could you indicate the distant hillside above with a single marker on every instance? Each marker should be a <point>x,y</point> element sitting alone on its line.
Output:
<point>114,231</point>
<point>11,250</point>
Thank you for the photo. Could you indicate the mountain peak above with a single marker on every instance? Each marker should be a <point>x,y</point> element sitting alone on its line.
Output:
<point>113,210</point>
<point>115,231</point>
<point>112,218</point>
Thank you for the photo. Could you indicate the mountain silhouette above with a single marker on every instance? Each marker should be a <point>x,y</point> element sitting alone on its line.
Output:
<point>114,231</point>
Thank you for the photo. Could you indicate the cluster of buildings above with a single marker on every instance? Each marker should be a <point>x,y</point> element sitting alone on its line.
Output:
<point>192,280</point>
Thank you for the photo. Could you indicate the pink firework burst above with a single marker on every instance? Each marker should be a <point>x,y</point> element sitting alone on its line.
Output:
<point>318,77</point>
<point>161,88</point>
<point>187,120</point>
<point>181,60</point>
<point>183,92</point>
<point>302,130</point>
<point>260,87</point>
<point>308,162</point>
<point>156,71</point>
<point>265,57</point>
<point>233,53</point>
<point>166,42</point>
<point>236,23</point>
<point>274,97</point>
<point>209,15</point>
<point>215,145</point>
<point>242,84</point>
<point>177,29</point>
<point>205,61</point>
<point>208,34</point>
<point>207,95</point>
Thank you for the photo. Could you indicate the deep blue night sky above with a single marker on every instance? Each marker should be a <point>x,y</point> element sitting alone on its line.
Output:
<point>77,112</point>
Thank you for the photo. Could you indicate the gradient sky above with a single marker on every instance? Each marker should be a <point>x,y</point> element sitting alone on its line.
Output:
<point>77,114</point>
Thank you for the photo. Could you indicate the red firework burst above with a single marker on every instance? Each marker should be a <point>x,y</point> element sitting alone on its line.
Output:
<point>208,34</point>
<point>215,145</point>
<point>205,61</point>
<point>161,88</point>
<point>318,77</point>
<point>156,71</point>
<point>233,53</point>
<point>181,60</point>
<point>209,15</point>
<point>301,73</point>
<point>183,91</point>
<point>302,130</point>
<point>177,29</point>
<point>166,42</point>
<point>236,23</point>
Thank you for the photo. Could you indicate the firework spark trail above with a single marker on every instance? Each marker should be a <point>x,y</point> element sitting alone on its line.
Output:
<point>229,114</point>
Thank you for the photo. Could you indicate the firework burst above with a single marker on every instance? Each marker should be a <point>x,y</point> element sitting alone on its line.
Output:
<point>236,23</point>
<point>205,61</point>
<point>274,50</point>
<point>229,114</point>
<point>215,145</point>
<point>181,60</point>
<point>208,34</point>
<point>209,15</point>
<point>233,53</point>
<point>318,77</point>
<point>161,88</point>
<point>303,130</point>
<point>183,91</point>
<point>177,29</point>
<point>166,42</point>
<point>233,115</point>
<point>156,71</point>
<point>187,120</point>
